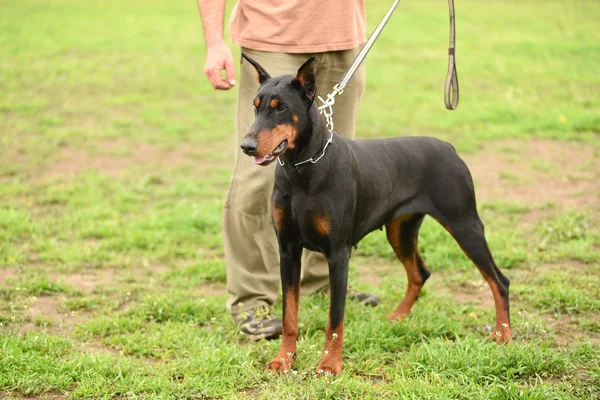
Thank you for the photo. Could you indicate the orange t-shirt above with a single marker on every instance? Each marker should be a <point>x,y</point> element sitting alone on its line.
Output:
<point>292,26</point>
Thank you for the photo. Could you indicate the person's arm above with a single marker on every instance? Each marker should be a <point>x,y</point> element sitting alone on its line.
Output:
<point>218,55</point>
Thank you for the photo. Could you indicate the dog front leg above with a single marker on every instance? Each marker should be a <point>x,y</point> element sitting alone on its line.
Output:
<point>331,362</point>
<point>290,255</point>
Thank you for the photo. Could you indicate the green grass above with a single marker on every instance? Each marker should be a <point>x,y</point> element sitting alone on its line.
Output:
<point>115,157</point>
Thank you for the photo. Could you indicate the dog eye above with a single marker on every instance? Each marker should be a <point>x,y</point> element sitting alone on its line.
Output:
<point>281,108</point>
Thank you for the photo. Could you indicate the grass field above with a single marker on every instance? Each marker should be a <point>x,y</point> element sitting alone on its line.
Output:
<point>115,157</point>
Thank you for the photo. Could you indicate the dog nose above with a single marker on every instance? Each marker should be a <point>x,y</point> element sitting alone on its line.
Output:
<point>249,146</point>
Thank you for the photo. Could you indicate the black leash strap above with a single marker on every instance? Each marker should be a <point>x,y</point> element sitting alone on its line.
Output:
<point>451,92</point>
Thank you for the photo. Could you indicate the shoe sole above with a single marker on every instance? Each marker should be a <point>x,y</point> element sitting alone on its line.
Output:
<point>372,301</point>
<point>266,336</point>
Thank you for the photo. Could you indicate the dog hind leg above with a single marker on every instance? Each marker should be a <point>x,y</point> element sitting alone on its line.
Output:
<point>468,231</point>
<point>402,234</point>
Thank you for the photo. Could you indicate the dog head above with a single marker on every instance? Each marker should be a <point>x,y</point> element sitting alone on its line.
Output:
<point>281,107</point>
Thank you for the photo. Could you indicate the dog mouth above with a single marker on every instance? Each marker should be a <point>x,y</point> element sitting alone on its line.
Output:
<point>269,158</point>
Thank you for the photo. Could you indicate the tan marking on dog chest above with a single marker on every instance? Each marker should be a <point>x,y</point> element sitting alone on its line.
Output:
<point>322,224</point>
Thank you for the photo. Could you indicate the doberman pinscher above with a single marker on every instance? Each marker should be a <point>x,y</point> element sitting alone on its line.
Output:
<point>354,188</point>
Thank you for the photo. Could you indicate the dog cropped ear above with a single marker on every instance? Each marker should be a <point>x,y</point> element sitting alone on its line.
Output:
<point>305,80</point>
<point>263,75</point>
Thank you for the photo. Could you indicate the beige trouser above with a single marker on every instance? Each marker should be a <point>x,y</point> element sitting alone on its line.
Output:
<point>251,250</point>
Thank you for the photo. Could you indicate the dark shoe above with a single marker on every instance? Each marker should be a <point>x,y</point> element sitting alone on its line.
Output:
<point>367,298</point>
<point>258,323</point>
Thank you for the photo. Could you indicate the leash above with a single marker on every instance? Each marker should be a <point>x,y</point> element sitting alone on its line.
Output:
<point>452,79</point>
<point>451,89</point>
<point>326,108</point>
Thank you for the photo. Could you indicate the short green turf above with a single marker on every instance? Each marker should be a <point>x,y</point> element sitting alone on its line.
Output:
<point>115,157</point>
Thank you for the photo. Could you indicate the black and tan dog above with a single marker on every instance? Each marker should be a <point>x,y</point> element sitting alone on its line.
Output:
<point>353,189</point>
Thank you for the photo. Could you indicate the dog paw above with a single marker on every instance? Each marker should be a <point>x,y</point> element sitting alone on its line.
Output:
<point>328,372</point>
<point>281,364</point>
<point>396,316</point>
<point>329,368</point>
<point>502,334</point>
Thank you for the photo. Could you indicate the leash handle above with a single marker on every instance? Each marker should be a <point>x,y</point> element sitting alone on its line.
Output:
<point>451,89</point>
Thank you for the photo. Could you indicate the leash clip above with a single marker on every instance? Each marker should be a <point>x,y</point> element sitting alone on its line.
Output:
<point>327,107</point>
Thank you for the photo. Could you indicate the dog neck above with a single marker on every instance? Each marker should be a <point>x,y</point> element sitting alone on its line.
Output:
<point>309,143</point>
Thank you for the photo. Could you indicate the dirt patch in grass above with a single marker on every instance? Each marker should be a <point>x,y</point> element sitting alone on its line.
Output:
<point>116,157</point>
<point>567,329</point>
<point>159,269</point>
<point>6,274</point>
<point>88,280</point>
<point>46,308</point>
<point>45,396</point>
<point>537,173</point>
<point>112,158</point>
<point>13,160</point>
<point>211,289</point>
<point>371,272</point>
<point>526,273</point>
<point>251,393</point>
<point>96,348</point>
<point>474,290</point>
<point>479,294</point>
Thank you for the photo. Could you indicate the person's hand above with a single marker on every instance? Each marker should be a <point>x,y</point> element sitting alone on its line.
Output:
<point>219,58</point>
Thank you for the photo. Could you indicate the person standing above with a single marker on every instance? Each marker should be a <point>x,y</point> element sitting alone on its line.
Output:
<point>281,36</point>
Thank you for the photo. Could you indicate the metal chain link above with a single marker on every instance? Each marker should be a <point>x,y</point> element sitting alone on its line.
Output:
<point>327,107</point>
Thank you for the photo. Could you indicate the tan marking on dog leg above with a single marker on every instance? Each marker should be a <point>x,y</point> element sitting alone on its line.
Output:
<point>277,215</point>
<point>331,362</point>
<point>287,352</point>
<point>410,262</point>
<point>502,334</point>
